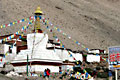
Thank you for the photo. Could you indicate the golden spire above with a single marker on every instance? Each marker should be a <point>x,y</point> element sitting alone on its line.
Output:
<point>38,13</point>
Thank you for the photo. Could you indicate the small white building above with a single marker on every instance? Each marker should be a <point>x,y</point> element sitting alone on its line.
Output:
<point>96,51</point>
<point>93,58</point>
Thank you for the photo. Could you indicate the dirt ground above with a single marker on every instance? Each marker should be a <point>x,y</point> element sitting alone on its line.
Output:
<point>2,77</point>
<point>93,23</point>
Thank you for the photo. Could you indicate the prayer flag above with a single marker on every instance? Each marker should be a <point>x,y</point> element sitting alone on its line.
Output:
<point>22,20</point>
<point>1,26</point>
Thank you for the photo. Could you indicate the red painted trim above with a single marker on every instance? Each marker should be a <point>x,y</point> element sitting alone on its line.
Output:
<point>21,48</point>
<point>37,63</point>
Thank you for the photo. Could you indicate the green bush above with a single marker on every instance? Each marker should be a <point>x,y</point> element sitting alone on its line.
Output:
<point>102,75</point>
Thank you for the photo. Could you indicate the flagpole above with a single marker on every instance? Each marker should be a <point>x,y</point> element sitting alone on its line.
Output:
<point>27,65</point>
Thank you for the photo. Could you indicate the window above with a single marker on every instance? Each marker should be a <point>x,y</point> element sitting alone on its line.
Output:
<point>10,50</point>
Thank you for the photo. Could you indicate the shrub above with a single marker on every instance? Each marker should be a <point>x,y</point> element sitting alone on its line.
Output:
<point>102,75</point>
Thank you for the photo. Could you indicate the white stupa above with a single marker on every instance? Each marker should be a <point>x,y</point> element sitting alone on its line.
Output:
<point>38,54</point>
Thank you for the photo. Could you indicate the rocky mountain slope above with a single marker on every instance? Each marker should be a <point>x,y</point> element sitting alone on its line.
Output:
<point>93,23</point>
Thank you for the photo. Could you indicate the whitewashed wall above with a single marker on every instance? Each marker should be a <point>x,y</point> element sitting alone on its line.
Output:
<point>78,56</point>
<point>65,67</point>
<point>64,55</point>
<point>47,55</point>
<point>2,62</point>
<point>11,56</point>
<point>93,51</point>
<point>40,41</point>
<point>6,49</point>
<point>93,58</point>
<point>39,51</point>
<point>36,68</point>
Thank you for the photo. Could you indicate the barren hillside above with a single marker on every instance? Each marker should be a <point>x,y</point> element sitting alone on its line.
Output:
<point>94,23</point>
